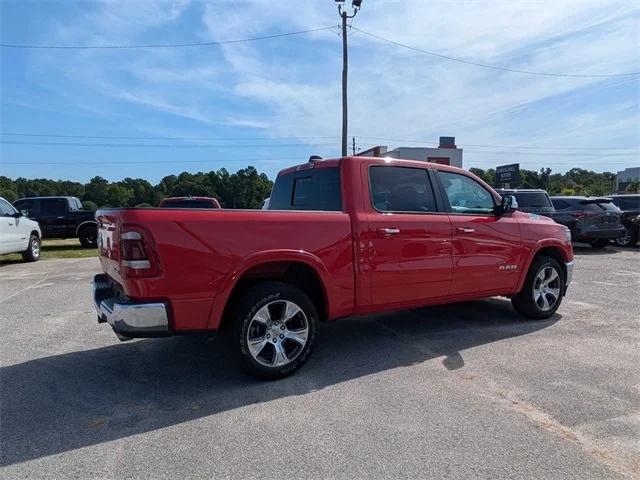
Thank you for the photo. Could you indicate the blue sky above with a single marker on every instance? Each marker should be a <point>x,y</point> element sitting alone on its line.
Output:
<point>273,103</point>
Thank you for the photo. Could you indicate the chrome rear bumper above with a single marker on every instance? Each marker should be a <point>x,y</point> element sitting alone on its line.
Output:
<point>129,319</point>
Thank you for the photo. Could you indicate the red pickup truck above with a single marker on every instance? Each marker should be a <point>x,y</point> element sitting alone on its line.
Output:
<point>341,237</point>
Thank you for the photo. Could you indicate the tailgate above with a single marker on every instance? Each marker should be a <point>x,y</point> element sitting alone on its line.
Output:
<point>109,222</point>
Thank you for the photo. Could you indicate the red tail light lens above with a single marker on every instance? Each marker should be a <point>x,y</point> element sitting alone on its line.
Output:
<point>137,250</point>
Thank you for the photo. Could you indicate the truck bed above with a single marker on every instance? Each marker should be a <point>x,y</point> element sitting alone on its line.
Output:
<point>202,252</point>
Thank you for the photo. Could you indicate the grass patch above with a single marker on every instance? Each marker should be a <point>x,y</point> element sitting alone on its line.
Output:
<point>69,248</point>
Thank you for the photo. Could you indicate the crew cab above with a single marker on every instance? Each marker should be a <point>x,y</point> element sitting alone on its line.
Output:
<point>61,217</point>
<point>341,237</point>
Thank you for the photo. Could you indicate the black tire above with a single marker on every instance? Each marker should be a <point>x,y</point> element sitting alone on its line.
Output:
<point>32,253</point>
<point>525,302</point>
<point>88,237</point>
<point>629,239</point>
<point>601,243</point>
<point>273,296</point>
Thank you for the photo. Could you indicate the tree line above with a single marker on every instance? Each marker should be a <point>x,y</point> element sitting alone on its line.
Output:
<point>247,188</point>
<point>576,181</point>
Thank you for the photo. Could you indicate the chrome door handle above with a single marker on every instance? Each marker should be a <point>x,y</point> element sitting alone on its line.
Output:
<point>465,230</point>
<point>10,223</point>
<point>388,231</point>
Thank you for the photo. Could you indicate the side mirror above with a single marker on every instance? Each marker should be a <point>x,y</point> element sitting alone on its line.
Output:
<point>508,204</point>
<point>24,213</point>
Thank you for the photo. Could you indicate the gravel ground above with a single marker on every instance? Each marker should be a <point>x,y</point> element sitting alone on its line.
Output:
<point>462,391</point>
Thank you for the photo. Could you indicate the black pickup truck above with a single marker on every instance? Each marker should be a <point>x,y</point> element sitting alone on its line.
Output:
<point>61,217</point>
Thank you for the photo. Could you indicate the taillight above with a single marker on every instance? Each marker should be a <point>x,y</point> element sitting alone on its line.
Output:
<point>137,253</point>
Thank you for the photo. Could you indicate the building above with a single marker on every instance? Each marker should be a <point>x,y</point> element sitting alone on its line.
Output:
<point>625,177</point>
<point>446,153</point>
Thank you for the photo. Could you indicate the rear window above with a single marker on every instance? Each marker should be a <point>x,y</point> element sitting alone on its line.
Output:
<point>599,207</point>
<point>532,199</point>
<point>627,203</point>
<point>188,204</point>
<point>312,189</point>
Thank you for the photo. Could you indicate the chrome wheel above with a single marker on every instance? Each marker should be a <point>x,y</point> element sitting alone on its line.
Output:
<point>546,288</point>
<point>625,239</point>
<point>35,248</point>
<point>277,333</point>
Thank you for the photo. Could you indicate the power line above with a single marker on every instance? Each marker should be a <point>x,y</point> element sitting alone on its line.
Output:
<point>159,145</point>
<point>494,67</point>
<point>127,137</point>
<point>140,162</point>
<point>532,147</point>
<point>164,45</point>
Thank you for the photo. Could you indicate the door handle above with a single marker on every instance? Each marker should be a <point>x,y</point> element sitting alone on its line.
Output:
<point>388,231</point>
<point>465,230</point>
<point>10,223</point>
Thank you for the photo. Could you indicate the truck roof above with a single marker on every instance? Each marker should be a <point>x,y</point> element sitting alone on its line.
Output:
<point>334,162</point>
<point>65,197</point>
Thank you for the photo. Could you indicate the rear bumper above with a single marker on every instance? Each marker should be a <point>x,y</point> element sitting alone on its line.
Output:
<point>599,233</point>
<point>129,319</point>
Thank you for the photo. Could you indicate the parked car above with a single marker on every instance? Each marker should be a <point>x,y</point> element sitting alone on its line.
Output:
<point>594,220</point>
<point>531,200</point>
<point>61,217</point>
<point>630,207</point>
<point>189,202</point>
<point>341,237</point>
<point>18,234</point>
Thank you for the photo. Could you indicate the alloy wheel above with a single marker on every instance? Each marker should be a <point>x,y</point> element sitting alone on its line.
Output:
<point>277,333</point>
<point>546,288</point>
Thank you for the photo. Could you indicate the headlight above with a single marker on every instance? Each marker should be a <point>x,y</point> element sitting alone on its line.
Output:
<point>567,234</point>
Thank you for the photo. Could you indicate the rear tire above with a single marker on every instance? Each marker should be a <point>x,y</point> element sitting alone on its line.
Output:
<point>88,237</point>
<point>602,243</point>
<point>542,291</point>
<point>32,253</point>
<point>274,328</point>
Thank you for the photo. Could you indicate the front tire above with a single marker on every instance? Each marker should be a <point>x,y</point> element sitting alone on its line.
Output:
<point>542,291</point>
<point>32,253</point>
<point>629,239</point>
<point>274,329</point>
<point>88,237</point>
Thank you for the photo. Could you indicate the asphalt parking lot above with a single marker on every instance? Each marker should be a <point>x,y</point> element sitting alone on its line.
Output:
<point>461,391</point>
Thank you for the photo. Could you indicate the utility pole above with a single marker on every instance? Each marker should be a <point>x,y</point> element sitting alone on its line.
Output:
<point>354,146</point>
<point>356,4</point>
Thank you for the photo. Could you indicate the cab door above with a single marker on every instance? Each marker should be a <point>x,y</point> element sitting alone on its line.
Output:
<point>409,241</point>
<point>9,228</point>
<point>486,248</point>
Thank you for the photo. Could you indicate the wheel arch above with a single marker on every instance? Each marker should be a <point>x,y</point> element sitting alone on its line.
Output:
<point>554,250</point>
<point>300,269</point>
<point>84,225</point>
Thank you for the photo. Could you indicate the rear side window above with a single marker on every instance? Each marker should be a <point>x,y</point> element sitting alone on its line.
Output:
<point>53,206</point>
<point>600,207</point>
<point>532,199</point>
<point>313,189</point>
<point>401,189</point>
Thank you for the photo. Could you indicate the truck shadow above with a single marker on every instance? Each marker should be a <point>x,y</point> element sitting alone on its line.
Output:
<point>60,403</point>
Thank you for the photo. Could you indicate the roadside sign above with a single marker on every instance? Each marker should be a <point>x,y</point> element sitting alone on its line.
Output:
<point>508,174</point>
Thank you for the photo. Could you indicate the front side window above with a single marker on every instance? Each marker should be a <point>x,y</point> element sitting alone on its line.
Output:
<point>6,209</point>
<point>401,189</point>
<point>465,194</point>
<point>561,204</point>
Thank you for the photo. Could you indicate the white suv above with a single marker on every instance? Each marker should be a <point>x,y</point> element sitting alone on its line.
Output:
<point>18,233</point>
